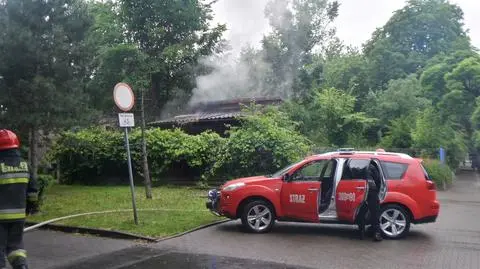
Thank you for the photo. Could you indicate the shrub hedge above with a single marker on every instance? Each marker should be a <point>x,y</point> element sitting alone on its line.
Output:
<point>262,145</point>
<point>441,174</point>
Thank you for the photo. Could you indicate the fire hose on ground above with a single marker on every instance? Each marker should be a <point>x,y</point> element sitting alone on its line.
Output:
<point>36,226</point>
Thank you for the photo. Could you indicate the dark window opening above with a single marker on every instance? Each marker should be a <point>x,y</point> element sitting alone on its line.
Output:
<point>394,170</point>
<point>356,169</point>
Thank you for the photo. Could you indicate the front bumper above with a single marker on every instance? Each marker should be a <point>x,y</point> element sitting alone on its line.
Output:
<point>213,201</point>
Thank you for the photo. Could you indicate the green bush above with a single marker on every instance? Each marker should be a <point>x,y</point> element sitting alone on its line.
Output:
<point>263,144</point>
<point>44,183</point>
<point>96,155</point>
<point>173,151</point>
<point>441,174</point>
<point>86,155</point>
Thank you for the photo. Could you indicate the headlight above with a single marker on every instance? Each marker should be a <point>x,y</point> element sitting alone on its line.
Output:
<point>234,186</point>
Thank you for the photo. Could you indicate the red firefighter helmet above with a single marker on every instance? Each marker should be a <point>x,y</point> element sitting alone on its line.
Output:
<point>8,140</point>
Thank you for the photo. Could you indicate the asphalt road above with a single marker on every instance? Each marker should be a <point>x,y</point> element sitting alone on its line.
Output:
<point>452,242</point>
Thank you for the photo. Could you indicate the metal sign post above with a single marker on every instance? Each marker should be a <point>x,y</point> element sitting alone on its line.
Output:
<point>124,99</point>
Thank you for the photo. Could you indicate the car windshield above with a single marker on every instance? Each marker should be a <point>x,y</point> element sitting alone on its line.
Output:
<point>283,171</point>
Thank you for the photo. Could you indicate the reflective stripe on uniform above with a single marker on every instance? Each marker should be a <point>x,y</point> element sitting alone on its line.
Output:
<point>11,214</point>
<point>14,181</point>
<point>14,178</point>
<point>16,254</point>
<point>14,175</point>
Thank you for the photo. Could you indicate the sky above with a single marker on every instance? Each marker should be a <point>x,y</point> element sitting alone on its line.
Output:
<point>356,22</point>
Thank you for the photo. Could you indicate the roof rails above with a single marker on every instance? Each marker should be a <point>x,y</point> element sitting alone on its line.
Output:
<point>346,151</point>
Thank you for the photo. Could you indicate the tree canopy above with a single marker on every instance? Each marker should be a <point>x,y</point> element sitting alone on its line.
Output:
<point>414,84</point>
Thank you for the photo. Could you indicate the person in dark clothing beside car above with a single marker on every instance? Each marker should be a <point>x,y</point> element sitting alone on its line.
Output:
<point>18,196</point>
<point>373,204</point>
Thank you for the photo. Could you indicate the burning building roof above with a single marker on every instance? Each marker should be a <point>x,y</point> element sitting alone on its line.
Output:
<point>213,115</point>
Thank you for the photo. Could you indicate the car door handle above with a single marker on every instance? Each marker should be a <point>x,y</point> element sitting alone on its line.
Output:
<point>360,188</point>
<point>313,189</point>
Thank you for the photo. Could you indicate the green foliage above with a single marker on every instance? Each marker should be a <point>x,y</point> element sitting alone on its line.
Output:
<point>44,183</point>
<point>174,35</point>
<point>263,144</point>
<point>93,155</point>
<point>347,72</point>
<point>333,110</point>
<point>88,154</point>
<point>43,59</point>
<point>414,34</point>
<point>403,97</point>
<point>441,174</point>
<point>297,28</point>
<point>399,133</point>
<point>431,133</point>
<point>174,149</point>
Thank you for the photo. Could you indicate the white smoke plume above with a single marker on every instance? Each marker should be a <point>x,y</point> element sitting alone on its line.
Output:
<point>231,77</point>
<point>259,72</point>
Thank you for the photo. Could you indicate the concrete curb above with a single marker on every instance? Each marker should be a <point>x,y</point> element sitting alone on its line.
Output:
<point>193,230</point>
<point>93,231</point>
<point>117,234</point>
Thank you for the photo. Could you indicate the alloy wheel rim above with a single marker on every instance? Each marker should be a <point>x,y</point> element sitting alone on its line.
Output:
<point>393,222</point>
<point>259,217</point>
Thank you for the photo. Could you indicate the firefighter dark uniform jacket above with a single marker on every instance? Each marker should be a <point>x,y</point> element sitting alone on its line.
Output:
<point>17,190</point>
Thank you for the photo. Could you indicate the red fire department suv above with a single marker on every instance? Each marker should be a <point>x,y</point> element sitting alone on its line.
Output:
<point>331,188</point>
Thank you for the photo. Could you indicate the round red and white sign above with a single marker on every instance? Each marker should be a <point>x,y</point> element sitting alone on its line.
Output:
<point>123,96</point>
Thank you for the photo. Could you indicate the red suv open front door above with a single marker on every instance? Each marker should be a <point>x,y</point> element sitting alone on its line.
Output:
<point>352,189</point>
<point>300,196</point>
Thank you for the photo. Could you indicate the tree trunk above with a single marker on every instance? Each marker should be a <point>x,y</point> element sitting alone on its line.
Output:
<point>146,172</point>
<point>33,152</point>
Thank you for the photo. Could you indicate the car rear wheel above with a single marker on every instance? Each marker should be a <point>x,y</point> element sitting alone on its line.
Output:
<point>258,217</point>
<point>394,222</point>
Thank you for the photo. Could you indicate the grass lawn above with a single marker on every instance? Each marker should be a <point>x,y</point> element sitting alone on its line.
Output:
<point>186,204</point>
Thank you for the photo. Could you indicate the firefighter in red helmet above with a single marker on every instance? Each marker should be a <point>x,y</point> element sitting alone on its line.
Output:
<point>18,195</point>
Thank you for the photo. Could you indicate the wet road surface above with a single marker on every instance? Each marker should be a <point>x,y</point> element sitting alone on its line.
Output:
<point>452,242</point>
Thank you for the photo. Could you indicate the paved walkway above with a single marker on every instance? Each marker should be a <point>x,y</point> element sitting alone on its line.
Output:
<point>452,242</point>
<point>47,249</point>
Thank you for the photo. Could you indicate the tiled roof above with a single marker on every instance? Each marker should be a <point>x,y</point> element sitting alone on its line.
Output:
<point>217,110</point>
<point>182,119</point>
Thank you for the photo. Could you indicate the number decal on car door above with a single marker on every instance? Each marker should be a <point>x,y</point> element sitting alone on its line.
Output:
<point>343,196</point>
<point>297,198</point>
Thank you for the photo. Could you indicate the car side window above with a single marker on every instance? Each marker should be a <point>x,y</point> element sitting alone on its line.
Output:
<point>310,171</point>
<point>355,169</point>
<point>328,170</point>
<point>394,171</point>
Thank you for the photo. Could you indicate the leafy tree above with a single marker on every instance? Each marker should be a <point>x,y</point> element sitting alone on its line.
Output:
<point>174,35</point>
<point>298,27</point>
<point>43,59</point>
<point>333,112</point>
<point>463,86</point>
<point>431,133</point>
<point>399,135</point>
<point>414,34</point>
<point>402,98</point>
<point>266,141</point>
<point>347,71</point>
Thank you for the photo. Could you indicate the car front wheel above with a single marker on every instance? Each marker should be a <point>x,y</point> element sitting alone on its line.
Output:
<point>258,217</point>
<point>394,222</point>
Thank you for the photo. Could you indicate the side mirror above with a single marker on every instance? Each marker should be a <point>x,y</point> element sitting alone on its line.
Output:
<point>287,177</point>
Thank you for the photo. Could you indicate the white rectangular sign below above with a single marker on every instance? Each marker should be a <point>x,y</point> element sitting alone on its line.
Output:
<point>126,120</point>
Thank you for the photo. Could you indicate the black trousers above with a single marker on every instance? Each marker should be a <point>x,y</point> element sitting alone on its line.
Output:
<point>11,244</point>
<point>373,207</point>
